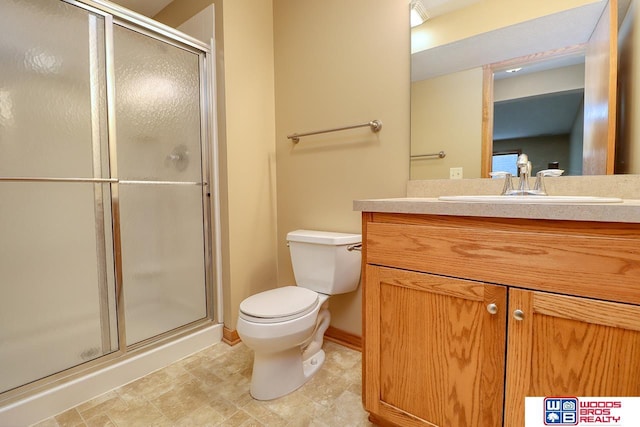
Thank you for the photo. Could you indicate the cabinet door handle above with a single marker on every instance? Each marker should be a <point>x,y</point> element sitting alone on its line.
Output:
<point>492,308</point>
<point>518,314</point>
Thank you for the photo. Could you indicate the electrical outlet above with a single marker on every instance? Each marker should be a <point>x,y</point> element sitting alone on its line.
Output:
<point>455,173</point>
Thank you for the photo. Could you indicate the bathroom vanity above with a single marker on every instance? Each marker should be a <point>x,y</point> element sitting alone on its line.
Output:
<point>468,308</point>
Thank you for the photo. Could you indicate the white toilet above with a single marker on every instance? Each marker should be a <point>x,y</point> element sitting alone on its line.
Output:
<point>285,326</point>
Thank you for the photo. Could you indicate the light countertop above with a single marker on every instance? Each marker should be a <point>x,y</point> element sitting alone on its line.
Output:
<point>628,211</point>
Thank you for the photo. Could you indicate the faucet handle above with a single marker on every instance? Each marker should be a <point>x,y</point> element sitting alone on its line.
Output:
<point>539,185</point>
<point>508,185</point>
<point>523,159</point>
<point>550,172</point>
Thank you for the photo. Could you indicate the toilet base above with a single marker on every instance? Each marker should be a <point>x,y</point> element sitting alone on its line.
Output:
<point>313,364</point>
<point>278,374</point>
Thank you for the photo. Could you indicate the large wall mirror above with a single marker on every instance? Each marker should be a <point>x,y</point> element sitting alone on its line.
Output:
<point>541,86</point>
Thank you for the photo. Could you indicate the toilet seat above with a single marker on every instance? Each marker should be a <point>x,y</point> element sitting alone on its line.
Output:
<point>279,305</point>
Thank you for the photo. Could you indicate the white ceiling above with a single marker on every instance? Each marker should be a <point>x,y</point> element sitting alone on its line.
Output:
<point>144,7</point>
<point>568,28</point>
<point>440,7</point>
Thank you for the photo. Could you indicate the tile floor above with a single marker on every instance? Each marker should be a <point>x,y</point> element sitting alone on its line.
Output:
<point>211,388</point>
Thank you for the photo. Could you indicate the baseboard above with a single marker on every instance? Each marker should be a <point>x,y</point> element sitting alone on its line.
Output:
<point>230,336</point>
<point>344,338</point>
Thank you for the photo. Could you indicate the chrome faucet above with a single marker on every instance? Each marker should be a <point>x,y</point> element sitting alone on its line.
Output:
<point>524,169</point>
<point>524,189</point>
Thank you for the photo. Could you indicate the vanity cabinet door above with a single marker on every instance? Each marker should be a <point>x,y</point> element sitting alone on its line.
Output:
<point>568,346</point>
<point>434,349</point>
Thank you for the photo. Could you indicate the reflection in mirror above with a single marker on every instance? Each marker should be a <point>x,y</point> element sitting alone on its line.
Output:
<point>538,109</point>
<point>447,92</point>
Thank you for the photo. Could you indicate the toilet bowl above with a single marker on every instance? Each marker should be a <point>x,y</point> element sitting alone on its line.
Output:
<point>279,363</point>
<point>285,326</point>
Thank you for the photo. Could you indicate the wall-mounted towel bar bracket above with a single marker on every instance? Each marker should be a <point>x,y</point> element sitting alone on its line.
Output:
<point>440,155</point>
<point>375,126</point>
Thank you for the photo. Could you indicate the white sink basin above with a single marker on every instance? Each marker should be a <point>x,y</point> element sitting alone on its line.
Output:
<point>531,199</point>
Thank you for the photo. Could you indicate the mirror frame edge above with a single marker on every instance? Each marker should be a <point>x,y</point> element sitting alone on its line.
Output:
<point>487,121</point>
<point>488,99</point>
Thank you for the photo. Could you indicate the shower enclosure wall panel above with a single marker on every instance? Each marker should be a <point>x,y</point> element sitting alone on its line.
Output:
<point>56,270</point>
<point>49,310</point>
<point>52,91</point>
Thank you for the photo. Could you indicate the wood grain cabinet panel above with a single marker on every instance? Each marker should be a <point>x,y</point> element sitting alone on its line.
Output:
<point>436,352</point>
<point>439,296</point>
<point>569,346</point>
<point>546,259</point>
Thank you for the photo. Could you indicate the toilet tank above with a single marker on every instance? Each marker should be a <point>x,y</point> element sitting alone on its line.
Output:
<point>323,262</point>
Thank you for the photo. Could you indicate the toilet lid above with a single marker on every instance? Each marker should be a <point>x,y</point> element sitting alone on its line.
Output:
<point>279,304</point>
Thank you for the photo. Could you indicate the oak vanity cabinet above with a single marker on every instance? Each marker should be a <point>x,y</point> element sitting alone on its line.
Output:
<point>433,355</point>
<point>464,317</point>
<point>569,346</point>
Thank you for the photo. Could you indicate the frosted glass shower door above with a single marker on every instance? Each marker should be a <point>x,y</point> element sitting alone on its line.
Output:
<point>57,287</point>
<point>158,129</point>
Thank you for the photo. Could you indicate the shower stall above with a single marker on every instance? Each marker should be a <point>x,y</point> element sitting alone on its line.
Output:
<point>106,194</point>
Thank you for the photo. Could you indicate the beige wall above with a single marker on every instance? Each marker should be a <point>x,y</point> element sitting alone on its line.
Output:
<point>246,118</point>
<point>483,16</point>
<point>532,84</point>
<point>334,66</point>
<point>339,63</point>
<point>446,114</point>
<point>250,110</point>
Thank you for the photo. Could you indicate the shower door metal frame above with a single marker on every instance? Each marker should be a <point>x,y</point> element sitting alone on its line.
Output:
<point>205,137</point>
<point>116,15</point>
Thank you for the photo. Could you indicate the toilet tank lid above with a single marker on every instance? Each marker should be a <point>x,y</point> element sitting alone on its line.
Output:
<point>323,237</point>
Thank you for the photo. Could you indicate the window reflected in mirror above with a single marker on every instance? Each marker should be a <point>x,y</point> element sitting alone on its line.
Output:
<point>505,162</point>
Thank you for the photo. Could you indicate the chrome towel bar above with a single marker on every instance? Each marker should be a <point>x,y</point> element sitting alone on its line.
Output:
<point>440,155</point>
<point>375,126</point>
